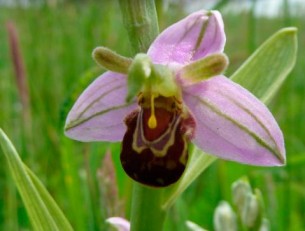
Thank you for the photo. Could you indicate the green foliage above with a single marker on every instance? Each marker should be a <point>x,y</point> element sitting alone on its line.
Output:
<point>265,71</point>
<point>42,209</point>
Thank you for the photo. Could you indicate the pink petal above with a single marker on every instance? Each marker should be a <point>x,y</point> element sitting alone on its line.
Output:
<point>192,38</point>
<point>233,124</point>
<point>120,223</point>
<point>99,112</point>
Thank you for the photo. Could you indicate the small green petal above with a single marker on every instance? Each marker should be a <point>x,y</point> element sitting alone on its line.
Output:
<point>111,60</point>
<point>204,68</point>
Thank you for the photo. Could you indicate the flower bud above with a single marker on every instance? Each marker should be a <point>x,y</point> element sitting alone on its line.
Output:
<point>265,225</point>
<point>119,223</point>
<point>251,215</point>
<point>193,227</point>
<point>224,217</point>
<point>240,189</point>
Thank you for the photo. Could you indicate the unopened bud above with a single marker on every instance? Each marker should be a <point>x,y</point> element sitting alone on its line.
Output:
<point>240,189</point>
<point>251,215</point>
<point>193,227</point>
<point>224,218</point>
<point>119,223</point>
<point>265,225</point>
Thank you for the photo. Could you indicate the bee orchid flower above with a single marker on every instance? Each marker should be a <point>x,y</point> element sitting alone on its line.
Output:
<point>159,102</point>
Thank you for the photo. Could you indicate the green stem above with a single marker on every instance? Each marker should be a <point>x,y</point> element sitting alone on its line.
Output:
<point>198,163</point>
<point>141,22</point>
<point>140,19</point>
<point>146,211</point>
<point>251,28</point>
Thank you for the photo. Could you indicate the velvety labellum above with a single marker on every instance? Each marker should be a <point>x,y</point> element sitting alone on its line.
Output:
<point>156,156</point>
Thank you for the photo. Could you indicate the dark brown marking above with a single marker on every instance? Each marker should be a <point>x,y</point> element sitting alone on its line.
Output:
<point>148,169</point>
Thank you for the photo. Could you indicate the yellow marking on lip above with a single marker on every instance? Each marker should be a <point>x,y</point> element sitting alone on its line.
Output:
<point>152,121</point>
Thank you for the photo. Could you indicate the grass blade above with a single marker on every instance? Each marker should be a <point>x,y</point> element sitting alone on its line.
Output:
<point>42,210</point>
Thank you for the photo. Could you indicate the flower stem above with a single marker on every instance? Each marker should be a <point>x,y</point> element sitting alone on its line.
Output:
<point>198,163</point>
<point>141,22</point>
<point>146,211</point>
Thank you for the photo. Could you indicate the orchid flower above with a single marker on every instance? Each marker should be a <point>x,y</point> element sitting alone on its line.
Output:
<point>159,102</point>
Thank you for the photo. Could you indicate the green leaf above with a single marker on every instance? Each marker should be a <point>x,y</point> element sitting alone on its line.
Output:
<point>56,213</point>
<point>267,68</point>
<point>42,210</point>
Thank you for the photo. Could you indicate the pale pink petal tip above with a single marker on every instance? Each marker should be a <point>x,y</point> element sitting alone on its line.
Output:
<point>233,124</point>
<point>194,37</point>
<point>119,223</point>
<point>99,112</point>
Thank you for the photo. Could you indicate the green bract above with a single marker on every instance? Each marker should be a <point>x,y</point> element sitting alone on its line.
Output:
<point>268,67</point>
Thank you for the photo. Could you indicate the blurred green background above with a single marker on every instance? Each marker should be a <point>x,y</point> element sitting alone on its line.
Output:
<point>56,40</point>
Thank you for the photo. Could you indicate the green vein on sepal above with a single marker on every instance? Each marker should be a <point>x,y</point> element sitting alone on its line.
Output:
<point>90,105</point>
<point>78,122</point>
<point>256,137</point>
<point>86,78</point>
<point>263,126</point>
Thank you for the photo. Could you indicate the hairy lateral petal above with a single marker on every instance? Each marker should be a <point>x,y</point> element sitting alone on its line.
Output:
<point>98,114</point>
<point>233,124</point>
<point>192,38</point>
